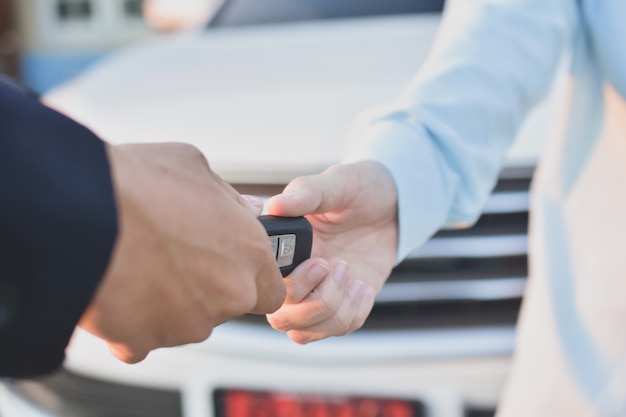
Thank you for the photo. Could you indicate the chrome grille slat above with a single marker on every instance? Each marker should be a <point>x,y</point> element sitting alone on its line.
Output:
<point>507,202</point>
<point>475,290</point>
<point>484,246</point>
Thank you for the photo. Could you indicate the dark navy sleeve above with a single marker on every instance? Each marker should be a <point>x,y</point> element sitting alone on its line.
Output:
<point>58,226</point>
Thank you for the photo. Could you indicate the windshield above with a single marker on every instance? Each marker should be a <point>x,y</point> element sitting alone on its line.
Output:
<point>256,12</point>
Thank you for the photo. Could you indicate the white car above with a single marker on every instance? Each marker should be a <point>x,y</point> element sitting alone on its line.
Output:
<point>268,92</point>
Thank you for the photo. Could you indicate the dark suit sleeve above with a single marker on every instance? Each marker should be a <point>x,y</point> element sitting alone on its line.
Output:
<point>58,226</point>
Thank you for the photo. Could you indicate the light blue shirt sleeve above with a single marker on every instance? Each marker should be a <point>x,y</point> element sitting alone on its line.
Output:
<point>444,141</point>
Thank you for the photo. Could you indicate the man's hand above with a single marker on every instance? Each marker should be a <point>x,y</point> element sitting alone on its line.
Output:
<point>190,254</point>
<point>353,211</point>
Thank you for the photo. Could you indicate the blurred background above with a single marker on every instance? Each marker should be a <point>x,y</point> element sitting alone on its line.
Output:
<point>46,42</point>
<point>268,90</point>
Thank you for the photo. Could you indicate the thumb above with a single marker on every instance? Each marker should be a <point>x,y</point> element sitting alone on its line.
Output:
<point>310,195</point>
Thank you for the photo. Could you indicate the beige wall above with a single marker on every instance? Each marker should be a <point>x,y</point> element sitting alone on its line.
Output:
<point>24,12</point>
<point>40,30</point>
<point>9,39</point>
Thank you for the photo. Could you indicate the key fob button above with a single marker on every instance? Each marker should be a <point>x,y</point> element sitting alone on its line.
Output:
<point>287,250</point>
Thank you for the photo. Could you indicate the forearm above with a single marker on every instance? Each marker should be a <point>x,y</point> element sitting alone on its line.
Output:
<point>58,226</point>
<point>445,139</point>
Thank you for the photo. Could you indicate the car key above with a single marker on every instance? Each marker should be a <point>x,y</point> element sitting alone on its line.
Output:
<point>291,239</point>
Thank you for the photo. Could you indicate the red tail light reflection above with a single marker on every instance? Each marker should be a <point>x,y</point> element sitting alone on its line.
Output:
<point>244,403</point>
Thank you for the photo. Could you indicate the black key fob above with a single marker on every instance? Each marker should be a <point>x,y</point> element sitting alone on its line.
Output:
<point>291,239</point>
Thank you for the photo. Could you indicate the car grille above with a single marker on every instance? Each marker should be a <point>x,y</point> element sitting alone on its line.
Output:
<point>66,394</point>
<point>459,278</point>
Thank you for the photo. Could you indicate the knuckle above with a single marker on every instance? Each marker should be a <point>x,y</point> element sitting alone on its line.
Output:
<point>333,169</point>
<point>249,304</point>
<point>187,148</point>
<point>301,338</point>
<point>259,253</point>
<point>279,321</point>
<point>362,315</point>
<point>193,153</point>
<point>242,297</point>
<point>199,334</point>
<point>185,333</point>
<point>276,301</point>
<point>298,182</point>
<point>358,323</point>
<point>137,357</point>
<point>245,302</point>
<point>324,307</point>
<point>342,326</point>
<point>129,354</point>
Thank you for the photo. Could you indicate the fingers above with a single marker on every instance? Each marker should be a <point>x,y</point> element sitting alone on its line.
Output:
<point>305,278</point>
<point>190,241</point>
<point>349,317</point>
<point>336,306</point>
<point>269,281</point>
<point>318,302</point>
<point>353,211</point>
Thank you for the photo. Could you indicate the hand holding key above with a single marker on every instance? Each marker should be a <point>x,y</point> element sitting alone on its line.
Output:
<point>190,254</point>
<point>353,211</point>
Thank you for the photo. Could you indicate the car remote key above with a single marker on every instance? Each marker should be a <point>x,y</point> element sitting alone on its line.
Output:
<point>291,239</point>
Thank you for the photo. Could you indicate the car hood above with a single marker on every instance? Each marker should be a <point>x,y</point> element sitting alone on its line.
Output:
<point>265,103</point>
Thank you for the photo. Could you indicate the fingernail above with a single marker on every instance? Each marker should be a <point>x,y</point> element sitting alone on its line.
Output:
<point>356,291</point>
<point>317,272</point>
<point>340,272</point>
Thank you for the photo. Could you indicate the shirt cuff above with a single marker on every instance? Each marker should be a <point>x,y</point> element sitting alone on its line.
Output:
<point>425,185</point>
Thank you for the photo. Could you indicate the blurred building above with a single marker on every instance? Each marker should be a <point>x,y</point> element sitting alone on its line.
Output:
<point>61,37</point>
<point>9,43</point>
